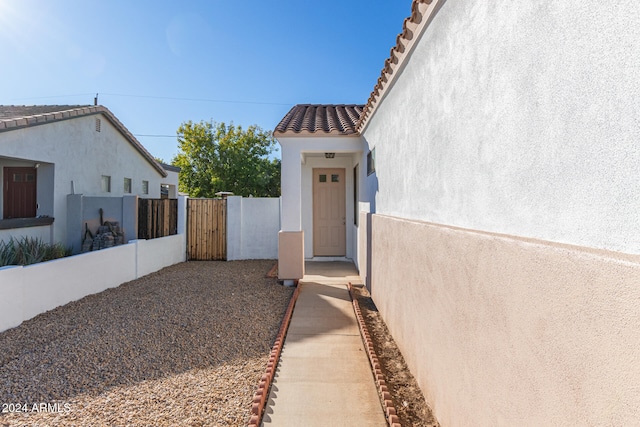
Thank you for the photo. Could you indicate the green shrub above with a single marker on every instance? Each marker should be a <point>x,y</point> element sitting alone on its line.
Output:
<point>7,253</point>
<point>29,250</point>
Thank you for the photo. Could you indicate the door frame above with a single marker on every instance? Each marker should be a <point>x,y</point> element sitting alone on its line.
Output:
<point>9,185</point>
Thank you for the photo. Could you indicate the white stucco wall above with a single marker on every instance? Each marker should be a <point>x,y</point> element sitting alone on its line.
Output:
<point>155,254</point>
<point>519,119</point>
<point>41,233</point>
<point>252,227</point>
<point>75,152</point>
<point>48,285</point>
<point>511,121</point>
<point>30,290</point>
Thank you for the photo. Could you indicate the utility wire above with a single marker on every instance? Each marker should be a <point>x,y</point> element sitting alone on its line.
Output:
<point>52,96</point>
<point>223,101</point>
<point>226,101</point>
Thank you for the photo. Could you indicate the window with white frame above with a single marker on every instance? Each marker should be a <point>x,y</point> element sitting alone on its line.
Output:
<point>127,185</point>
<point>145,187</point>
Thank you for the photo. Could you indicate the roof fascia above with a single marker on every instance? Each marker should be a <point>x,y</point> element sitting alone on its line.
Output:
<point>319,134</point>
<point>302,144</point>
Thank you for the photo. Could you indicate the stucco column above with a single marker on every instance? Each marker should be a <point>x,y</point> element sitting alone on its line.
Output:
<point>234,228</point>
<point>182,215</point>
<point>130,217</point>
<point>291,237</point>
<point>291,183</point>
<point>75,226</point>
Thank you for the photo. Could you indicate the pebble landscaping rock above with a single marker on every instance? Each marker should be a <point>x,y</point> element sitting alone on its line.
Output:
<point>185,346</point>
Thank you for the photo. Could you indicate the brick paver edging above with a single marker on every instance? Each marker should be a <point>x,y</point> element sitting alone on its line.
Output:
<point>273,273</point>
<point>260,396</point>
<point>383,390</point>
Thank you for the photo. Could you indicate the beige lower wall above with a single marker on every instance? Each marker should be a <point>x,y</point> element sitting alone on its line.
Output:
<point>290,255</point>
<point>506,331</point>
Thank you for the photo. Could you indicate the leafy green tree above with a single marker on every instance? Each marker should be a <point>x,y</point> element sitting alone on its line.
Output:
<point>218,157</point>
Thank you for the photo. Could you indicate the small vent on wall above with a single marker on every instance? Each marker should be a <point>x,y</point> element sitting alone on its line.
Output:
<point>98,125</point>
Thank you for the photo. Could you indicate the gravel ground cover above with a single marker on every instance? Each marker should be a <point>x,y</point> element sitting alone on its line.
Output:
<point>185,346</point>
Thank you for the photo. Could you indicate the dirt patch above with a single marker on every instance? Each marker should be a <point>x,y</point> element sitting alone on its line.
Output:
<point>411,407</point>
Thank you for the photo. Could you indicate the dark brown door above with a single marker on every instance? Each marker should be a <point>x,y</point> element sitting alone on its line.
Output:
<point>19,193</point>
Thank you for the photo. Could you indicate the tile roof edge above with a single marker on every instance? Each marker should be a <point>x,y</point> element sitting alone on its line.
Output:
<point>40,119</point>
<point>318,134</point>
<point>34,119</point>
<point>422,12</point>
<point>169,167</point>
<point>342,122</point>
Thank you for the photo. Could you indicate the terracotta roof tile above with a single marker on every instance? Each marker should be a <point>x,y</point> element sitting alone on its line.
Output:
<point>320,119</point>
<point>20,116</point>
<point>412,28</point>
<point>352,119</point>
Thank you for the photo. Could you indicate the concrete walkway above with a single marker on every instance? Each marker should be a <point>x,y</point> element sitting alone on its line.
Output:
<point>324,377</point>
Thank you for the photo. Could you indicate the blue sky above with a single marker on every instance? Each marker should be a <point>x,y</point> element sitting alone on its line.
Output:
<point>156,64</point>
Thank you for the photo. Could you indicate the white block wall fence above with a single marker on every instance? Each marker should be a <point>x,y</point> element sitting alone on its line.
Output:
<point>30,290</point>
<point>26,291</point>
<point>252,227</point>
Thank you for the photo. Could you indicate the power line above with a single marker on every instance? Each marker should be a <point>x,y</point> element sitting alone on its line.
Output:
<point>170,98</point>
<point>52,96</point>
<point>225,101</point>
<point>156,136</point>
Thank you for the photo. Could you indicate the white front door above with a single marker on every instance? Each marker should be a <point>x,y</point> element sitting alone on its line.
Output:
<point>329,213</point>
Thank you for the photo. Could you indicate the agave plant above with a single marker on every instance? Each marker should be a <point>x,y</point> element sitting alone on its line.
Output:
<point>7,253</point>
<point>30,250</point>
<point>55,251</point>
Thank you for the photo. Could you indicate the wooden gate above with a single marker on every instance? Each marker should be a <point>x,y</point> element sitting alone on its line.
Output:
<point>206,229</point>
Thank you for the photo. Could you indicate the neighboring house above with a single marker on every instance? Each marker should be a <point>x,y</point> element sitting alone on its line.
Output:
<point>495,172</point>
<point>50,152</point>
